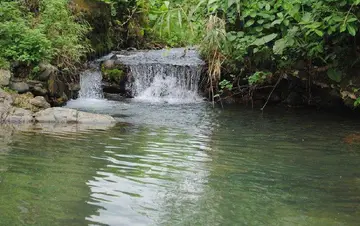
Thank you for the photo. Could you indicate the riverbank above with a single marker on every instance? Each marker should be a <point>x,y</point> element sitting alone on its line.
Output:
<point>25,108</point>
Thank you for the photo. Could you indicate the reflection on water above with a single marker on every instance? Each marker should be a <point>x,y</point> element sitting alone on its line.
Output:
<point>183,165</point>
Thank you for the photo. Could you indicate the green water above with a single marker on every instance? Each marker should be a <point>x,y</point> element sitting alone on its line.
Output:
<point>183,165</point>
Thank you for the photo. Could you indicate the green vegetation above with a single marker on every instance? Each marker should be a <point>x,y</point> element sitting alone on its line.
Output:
<point>113,75</point>
<point>261,40</point>
<point>247,44</point>
<point>40,31</point>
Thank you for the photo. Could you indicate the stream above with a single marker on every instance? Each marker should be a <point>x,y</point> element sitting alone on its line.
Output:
<point>174,162</point>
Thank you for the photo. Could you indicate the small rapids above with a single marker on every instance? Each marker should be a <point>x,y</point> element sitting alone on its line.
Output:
<point>170,76</point>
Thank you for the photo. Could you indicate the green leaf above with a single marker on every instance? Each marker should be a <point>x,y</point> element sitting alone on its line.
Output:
<point>265,39</point>
<point>351,30</point>
<point>279,46</point>
<point>179,18</point>
<point>267,7</point>
<point>334,75</point>
<point>319,33</point>
<point>249,23</point>
<point>342,28</point>
<point>278,21</point>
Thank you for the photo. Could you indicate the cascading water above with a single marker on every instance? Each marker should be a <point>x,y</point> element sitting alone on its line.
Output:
<point>90,83</point>
<point>91,95</point>
<point>164,75</point>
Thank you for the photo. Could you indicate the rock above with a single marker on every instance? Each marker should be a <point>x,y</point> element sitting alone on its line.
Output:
<point>108,64</point>
<point>23,101</point>
<point>39,91</point>
<point>5,76</point>
<point>18,115</point>
<point>66,115</point>
<point>46,71</point>
<point>5,104</point>
<point>37,88</point>
<point>74,87</point>
<point>57,115</point>
<point>40,102</point>
<point>56,87</point>
<point>20,87</point>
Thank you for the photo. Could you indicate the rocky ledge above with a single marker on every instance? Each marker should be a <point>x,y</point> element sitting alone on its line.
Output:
<point>24,108</point>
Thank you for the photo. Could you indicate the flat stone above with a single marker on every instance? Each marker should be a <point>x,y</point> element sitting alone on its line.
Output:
<point>5,76</point>
<point>19,115</point>
<point>57,115</point>
<point>20,87</point>
<point>66,115</point>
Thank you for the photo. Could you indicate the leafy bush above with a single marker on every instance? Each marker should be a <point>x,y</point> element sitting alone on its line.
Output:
<point>21,42</point>
<point>51,35</point>
<point>67,36</point>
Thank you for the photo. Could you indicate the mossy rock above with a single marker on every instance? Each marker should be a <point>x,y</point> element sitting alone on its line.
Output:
<point>23,101</point>
<point>113,75</point>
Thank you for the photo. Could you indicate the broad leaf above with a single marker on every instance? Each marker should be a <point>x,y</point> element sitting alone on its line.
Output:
<point>334,75</point>
<point>264,40</point>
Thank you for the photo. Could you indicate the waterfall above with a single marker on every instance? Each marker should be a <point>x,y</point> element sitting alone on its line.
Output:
<point>164,75</point>
<point>90,84</point>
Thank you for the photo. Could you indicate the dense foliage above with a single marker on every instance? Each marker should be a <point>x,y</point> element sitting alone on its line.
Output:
<point>255,41</point>
<point>247,43</point>
<point>40,31</point>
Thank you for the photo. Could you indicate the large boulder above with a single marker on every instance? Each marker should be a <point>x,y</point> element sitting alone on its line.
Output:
<point>5,76</point>
<point>57,115</point>
<point>66,115</point>
<point>20,87</point>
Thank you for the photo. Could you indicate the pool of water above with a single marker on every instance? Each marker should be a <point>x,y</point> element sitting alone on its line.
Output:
<point>187,164</point>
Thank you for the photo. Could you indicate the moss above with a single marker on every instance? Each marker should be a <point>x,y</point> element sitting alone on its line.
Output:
<point>4,64</point>
<point>8,90</point>
<point>23,101</point>
<point>113,75</point>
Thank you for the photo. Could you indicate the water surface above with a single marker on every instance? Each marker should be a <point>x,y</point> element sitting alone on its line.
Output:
<point>184,164</point>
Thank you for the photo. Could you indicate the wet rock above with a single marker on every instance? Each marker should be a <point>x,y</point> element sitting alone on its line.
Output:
<point>5,76</point>
<point>20,87</point>
<point>108,64</point>
<point>66,115</point>
<point>40,102</point>
<point>46,71</point>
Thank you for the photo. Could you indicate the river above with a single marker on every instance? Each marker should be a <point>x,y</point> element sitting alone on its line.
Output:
<point>183,164</point>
